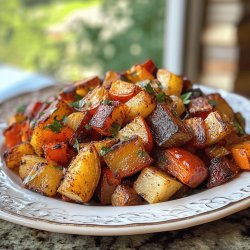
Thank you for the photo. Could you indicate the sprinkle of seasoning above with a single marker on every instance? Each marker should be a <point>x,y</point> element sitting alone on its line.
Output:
<point>87,127</point>
<point>21,109</point>
<point>55,126</point>
<point>238,128</point>
<point>161,97</point>
<point>114,129</point>
<point>213,103</point>
<point>141,153</point>
<point>77,104</point>
<point>76,145</point>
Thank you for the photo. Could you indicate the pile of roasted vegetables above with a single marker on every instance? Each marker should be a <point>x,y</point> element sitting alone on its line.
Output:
<point>141,135</point>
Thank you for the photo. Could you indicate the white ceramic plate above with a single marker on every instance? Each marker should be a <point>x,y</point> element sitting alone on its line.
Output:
<point>30,209</point>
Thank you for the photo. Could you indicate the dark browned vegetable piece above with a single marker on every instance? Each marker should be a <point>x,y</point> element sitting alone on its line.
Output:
<point>125,196</point>
<point>221,170</point>
<point>197,126</point>
<point>200,107</point>
<point>167,128</point>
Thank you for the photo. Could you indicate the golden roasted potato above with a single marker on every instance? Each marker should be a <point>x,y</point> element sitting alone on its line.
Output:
<point>82,176</point>
<point>171,83</point>
<point>221,105</point>
<point>137,127</point>
<point>141,104</point>
<point>110,77</point>
<point>13,156</point>
<point>28,162</point>
<point>127,158</point>
<point>216,151</point>
<point>44,178</point>
<point>200,107</point>
<point>125,196</point>
<point>217,127</point>
<point>154,185</point>
<point>177,104</point>
<point>108,118</point>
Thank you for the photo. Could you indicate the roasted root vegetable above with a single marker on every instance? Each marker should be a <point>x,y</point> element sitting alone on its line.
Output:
<point>13,156</point>
<point>185,166</point>
<point>221,105</point>
<point>97,139</point>
<point>221,170</point>
<point>28,162</point>
<point>108,118</point>
<point>142,104</point>
<point>107,185</point>
<point>153,185</point>
<point>127,158</point>
<point>167,128</point>
<point>44,178</point>
<point>125,196</point>
<point>171,83</point>
<point>197,126</point>
<point>122,91</point>
<point>79,89</point>
<point>140,128</point>
<point>83,175</point>
<point>217,127</point>
<point>241,155</point>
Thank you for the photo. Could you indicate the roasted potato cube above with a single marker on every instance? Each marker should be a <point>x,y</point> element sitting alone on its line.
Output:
<point>197,126</point>
<point>110,77</point>
<point>122,91</point>
<point>142,104</point>
<point>127,158</point>
<point>185,166</point>
<point>93,99</point>
<point>138,73</point>
<point>79,122</point>
<point>241,155</point>
<point>13,135</point>
<point>79,88</point>
<point>44,178</point>
<point>171,83</point>
<point>16,118</point>
<point>13,156</point>
<point>177,104</point>
<point>200,107</point>
<point>58,152</point>
<point>221,170</point>
<point>28,162</point>
<point>154,185</point>
<point>150,66</point>
<point>107,186</point>
<point>167,128</point>
<point>217,127</point>
<point>140,128</point>
<point>216,151</point>
<point>82,176</point>
<point>57,110</point>
<point>108,118</point>
<point>221,105</point>
<point>125,196</point>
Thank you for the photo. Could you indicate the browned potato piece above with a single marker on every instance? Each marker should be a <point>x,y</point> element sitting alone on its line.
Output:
<point>171,83</point>
<point>197,126</point>
<point>127,158</point>
<point>110,77</point>
<point>108,118</point>
<point>13,156</point>
<point>154,185</point>
<point>82,176</point>
<point>140,105</point>
<point>167,128</point>
<point>177,104</point>
<point>221,105</point>
<point>200,107</point>
<point>217,127</point>
<point>79,88</point>
<point>28,162</point>
<point>221,170</point>
<point>125,196</point>
<point>56,111</point>
<point>44,178</point>
<point>107,186</point>
<point>216,151</point>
